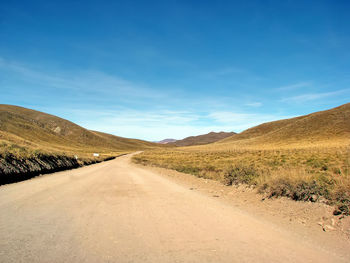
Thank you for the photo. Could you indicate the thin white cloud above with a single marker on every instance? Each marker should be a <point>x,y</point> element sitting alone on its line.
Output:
<point>84,81</point>
<point>154,122</point>
<point>242,121</point>
<point>225,116</point>
<point>226,71</point>
<point>313,96</point>
<point>254,104</point>
<point>146,118</point>
<point>159,132</point>
<point>149,125</point>
<point>236,72</point>
<point>294,86</point>
<point>157,125</point>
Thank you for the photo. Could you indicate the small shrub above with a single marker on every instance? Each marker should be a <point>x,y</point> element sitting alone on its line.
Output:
<point>304,191</point>
<point>240,174</point>
<point>341,196</point>
<point>295,173</point>
<point>296,184</point>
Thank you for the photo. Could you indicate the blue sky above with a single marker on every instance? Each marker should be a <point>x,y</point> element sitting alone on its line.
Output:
<point>171,69</point>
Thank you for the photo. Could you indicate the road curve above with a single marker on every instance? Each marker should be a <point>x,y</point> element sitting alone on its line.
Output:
<point>118,212</point>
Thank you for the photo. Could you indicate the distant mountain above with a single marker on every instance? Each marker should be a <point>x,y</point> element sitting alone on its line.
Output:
<point>166,141</point>
<point>329,127</point>
<point>37,130</point>
<point>202,139</point>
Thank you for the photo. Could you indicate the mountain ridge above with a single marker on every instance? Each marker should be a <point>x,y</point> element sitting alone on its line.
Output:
<point>166,141</point>
<point>202,139</point>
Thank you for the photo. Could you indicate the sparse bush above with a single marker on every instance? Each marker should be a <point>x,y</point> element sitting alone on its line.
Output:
<point>237,174</point>
<point>300,191</point>
<point>300,174</point>
<point>341,197</point>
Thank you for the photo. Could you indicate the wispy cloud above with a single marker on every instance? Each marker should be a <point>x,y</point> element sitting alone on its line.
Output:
<point>156,125</point>
<point>254,104</point>
<point>314,96</point>
<point>225,72</point>
<point>164,116</point>
<point>294,86</point>
<point>149,125</point>
<point>230,72</point>
<point>85,81</point>
<point>243,119</point>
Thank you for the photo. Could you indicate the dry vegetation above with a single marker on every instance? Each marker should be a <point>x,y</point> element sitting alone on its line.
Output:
<point>304,158</point>
<point>301,174</point>
<point>27,130</point>
<point>24,131</point>
<point>323,128</point>
<point>33,142</point>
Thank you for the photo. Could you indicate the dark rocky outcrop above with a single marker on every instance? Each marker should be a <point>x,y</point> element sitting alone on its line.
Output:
<point>14,169</point>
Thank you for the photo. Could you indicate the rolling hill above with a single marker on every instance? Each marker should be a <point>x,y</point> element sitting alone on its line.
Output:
<point>38,130</point>
<point>329,127</point>
<point>33,143</point>
<point>303,158</point>
<point>202,139</point>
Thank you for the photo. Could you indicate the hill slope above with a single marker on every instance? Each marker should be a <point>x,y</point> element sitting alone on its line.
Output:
<point>323,127</point>
<point>202,139</point>
<point>38,130</point>
<point>33,142</point>
<point>303,158</point>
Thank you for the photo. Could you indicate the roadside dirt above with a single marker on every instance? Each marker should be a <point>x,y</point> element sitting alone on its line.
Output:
<point>313,218</point>
<point>120,212</point>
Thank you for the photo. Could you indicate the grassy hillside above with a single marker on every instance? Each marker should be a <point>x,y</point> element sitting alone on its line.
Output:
<point>330,127</point>
<point>33,142</point>
<point>40,131</point>
<point>202,139</point>
<point>304,158</point>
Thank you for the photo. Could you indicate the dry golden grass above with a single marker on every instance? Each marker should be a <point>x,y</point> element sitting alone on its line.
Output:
<point>304,158</point>
<point>33,143</point>
<point>324,128</point>
<point>24,132</point>
<point>298,173</point>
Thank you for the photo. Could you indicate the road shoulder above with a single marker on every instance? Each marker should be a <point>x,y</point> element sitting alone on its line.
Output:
<point>312,221</point>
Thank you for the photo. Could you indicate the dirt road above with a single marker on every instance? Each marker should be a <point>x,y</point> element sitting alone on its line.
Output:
<point>118,212</point>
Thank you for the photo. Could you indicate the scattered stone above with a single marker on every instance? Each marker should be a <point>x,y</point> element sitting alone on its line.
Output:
<point>313,198</point>
<point>333,222</point>
<point>336,212</point>
<point>216,196</point>
<point>328,228</point>
<point>320,223</point>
